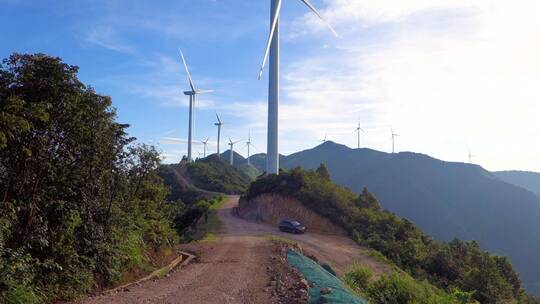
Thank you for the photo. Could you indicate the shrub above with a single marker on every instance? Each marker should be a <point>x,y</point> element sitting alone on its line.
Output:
<point>358,277</point>
<point>402,289</point>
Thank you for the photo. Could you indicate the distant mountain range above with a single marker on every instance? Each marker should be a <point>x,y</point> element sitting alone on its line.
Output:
<point>524,179</point>
<point>446,199</point>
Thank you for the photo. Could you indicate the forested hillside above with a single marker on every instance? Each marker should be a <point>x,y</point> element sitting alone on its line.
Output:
<point>445,199</point>
<point>452,266</point>
<point>81,202</point>
<point>215,174</point>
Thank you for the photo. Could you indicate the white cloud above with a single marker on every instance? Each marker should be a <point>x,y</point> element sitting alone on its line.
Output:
<point>444,74</point>
<point>107,38</point>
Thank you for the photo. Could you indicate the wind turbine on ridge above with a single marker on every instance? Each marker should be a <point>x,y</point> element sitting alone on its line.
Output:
<point>232,143</point>
<point>358,129</point>
<point>205,143</point>
<point>248,145</point>
<point>218,124</point>
<point>192,94</point>
<point>324,139</point>
<point>470,155</point>
<point>272,51</point>
<point>393,139</point>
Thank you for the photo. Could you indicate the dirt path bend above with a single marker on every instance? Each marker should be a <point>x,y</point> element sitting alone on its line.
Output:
<point>337,250</point>
<point>233,268</point>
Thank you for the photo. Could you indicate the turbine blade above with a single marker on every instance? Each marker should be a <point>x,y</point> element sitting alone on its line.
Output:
<point>314,10</point>
<point>188,75</point>
<point>270,38</point>
<point>204,91</point>
<point>217,116</point>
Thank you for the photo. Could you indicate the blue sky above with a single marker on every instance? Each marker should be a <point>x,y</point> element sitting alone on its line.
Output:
<point>446,75</point>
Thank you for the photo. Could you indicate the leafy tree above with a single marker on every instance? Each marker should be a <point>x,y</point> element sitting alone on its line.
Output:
<point>78,203</point>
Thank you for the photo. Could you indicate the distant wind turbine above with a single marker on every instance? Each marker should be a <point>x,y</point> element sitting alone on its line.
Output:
<point>358,129</point>
<point>232,143</point>
<point>205,143</point>
<point>324,139</point>
<point>248,145</point>
<point>218,124</point>
<point>393,140</point>
<point>272,51</point>
<point>470,156</point>
<point>192,93</point>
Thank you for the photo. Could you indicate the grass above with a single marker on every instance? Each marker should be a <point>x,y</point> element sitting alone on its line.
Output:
<point>210,237</point>
<point>207,231</point>
<point>280,239</point>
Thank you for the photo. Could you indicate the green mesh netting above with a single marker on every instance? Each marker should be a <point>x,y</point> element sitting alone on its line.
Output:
<point>314,273</point>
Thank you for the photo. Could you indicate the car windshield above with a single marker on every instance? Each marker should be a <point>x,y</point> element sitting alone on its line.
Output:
<point>295,223</point>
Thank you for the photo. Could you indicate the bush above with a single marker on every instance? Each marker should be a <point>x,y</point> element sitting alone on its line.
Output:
<point>358,278</point>
<point>402,289</point>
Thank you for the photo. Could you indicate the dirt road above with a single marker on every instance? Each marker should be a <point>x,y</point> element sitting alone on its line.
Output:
<point>233,268</point>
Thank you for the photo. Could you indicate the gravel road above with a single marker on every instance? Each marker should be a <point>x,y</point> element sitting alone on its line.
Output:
<point>233,268</point>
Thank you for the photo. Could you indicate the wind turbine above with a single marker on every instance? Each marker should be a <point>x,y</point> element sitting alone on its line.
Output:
<point>248,145</point>
<point>358,129</point>
<point>232,143</point>
<point>393,139</point>
<point>218,124</point>
<point>204,142</point>
<point>324,139</point>
<point>470,155</point>
<point>191,95</point>
<point>272,51</point>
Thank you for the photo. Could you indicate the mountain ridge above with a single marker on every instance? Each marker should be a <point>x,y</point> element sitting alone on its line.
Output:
<point>445,199</point>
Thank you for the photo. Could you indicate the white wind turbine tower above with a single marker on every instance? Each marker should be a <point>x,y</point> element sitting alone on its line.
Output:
<point>272,51</point>
<point>248,144</point>
<point>232,143</point>
<point>393,140</point>
<point>191,95</point>
<point>218,124</point>
<point>205,143</point>
<point>358,129</point>
<point>470,155</point>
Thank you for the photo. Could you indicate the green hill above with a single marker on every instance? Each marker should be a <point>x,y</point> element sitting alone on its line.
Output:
<point>445,199</point>
<point>207,174</point>
<point>450,266</point>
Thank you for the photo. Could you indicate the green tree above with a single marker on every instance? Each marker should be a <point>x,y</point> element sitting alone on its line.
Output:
<point>73,191</point>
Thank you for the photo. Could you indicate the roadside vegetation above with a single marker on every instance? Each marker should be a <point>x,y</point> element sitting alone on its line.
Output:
<point>81,204</point>
<point>458,266</point>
